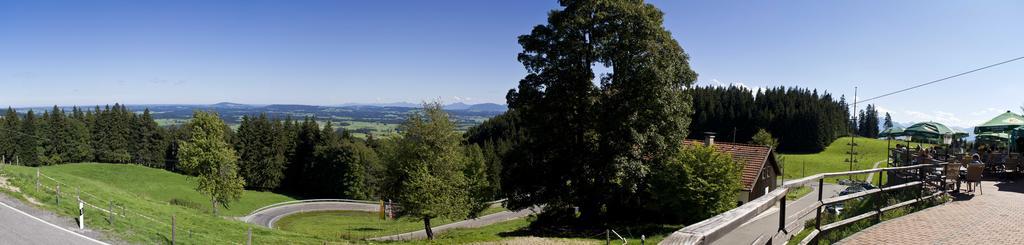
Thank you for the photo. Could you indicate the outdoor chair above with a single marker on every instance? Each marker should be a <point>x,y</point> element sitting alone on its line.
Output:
<point>973,178</point>
<point>953,176</point>
<point>1011,166</point>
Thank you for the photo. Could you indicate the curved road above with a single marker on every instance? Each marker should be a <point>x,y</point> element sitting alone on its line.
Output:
<point>18,226</point>
<point>470,223</point>
<point>269,216</point>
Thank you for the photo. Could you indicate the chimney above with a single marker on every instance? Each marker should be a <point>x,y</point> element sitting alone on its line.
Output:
<point>709,138</point>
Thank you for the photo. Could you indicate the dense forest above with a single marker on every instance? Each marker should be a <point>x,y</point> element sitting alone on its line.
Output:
<point>803,120</point>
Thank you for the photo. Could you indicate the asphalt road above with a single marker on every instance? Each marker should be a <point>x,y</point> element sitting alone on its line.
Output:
<point>267,217</point>
<point>471,223</point>
<point>769,220</point>
<point>20,224</point>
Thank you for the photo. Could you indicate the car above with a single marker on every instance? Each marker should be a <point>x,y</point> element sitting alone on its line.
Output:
<point>852,189</point>
<point>834,208</point>
<point>837,208</point>
<point>867,186</point>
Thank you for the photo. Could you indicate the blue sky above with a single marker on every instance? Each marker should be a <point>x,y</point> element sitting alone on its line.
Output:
<point>333,52</point>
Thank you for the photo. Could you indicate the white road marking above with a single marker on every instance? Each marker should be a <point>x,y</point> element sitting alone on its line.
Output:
<point>54,226</point>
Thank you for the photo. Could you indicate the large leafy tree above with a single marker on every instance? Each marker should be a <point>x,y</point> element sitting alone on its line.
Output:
<point>594,146</point>
<point>207,154</point>
<point>698,184</point>
<point>427,168</point>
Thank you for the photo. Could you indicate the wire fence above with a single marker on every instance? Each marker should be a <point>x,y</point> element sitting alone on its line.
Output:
<point>67,199</point>
<point>113,212</point>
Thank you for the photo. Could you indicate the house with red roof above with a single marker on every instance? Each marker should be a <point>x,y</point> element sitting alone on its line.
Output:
<point>757,163</point>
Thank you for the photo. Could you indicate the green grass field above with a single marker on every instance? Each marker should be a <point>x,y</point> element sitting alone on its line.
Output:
<point>156,185</point>
<point>355,225</point>
<point>352,225</point>
<point>834,158</point>
<point>145,194</point>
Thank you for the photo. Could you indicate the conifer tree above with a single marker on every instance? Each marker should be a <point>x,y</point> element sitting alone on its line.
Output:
<point>148,140</point>
<point>10,133</point>
<point>29,144</point>
<point>261,155</point>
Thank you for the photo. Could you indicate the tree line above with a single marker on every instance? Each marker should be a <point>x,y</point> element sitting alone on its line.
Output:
<point>293,156</point>
<point>867,122</point>
<point>427,167</point>
<point>803,120</point>
<point>112,134</point>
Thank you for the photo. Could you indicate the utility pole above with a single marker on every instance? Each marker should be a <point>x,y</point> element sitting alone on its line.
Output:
<point>853,135</point>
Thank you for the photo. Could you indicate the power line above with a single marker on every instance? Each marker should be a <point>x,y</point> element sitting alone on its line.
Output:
<point>943,79</point>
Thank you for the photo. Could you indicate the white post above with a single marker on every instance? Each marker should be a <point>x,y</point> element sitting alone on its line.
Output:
<point>81,215</point>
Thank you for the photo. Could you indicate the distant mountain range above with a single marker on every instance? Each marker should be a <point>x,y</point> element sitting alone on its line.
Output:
<point>457,106</point>
<point>970,131</point>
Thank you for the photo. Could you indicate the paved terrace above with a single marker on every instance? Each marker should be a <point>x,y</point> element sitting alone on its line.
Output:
<point>995,216</point>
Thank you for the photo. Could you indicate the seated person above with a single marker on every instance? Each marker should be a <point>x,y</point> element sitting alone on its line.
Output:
<point>976,159</point>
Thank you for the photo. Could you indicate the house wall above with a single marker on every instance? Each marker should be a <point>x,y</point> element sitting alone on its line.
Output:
<point>742,197</point>
<point>767,179</point>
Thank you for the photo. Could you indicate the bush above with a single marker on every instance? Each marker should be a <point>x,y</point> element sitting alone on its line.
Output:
<point>185,203</point>
<point>699,183</point>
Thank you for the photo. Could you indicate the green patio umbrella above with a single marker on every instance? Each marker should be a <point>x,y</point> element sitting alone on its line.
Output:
<point>929,130</point>
<point>991,136</point>
<point>960,134</point>
<point>891,132</point>
<point>1003,123</point>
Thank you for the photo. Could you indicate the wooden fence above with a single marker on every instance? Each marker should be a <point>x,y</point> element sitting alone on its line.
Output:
<point>714,228</point>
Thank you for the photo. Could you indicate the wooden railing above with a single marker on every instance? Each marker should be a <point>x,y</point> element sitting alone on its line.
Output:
<point>714,228</point>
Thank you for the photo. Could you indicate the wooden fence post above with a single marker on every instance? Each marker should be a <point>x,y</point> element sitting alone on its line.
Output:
<point>58,195</point>
<point>248,235</point>
<point>880,198</point>
<point>110,213</point>
<point>782,213</point>
<point>37,178</point>
<point>817,218</point>
<point>173,223</point>
<point>607,237</point>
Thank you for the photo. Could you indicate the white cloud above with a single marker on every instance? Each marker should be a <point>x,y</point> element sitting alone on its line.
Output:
<point>461,99</point>
<point>987,111</point>
<point>882,110</point>
<point>947,118</point>
<point>720,84</point>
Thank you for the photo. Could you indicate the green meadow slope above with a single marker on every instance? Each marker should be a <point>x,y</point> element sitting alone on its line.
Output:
<point>834,158</point>
<point>146,194</point>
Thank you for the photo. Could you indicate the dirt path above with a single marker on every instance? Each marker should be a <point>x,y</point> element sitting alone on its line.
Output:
<point>872,175</point>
